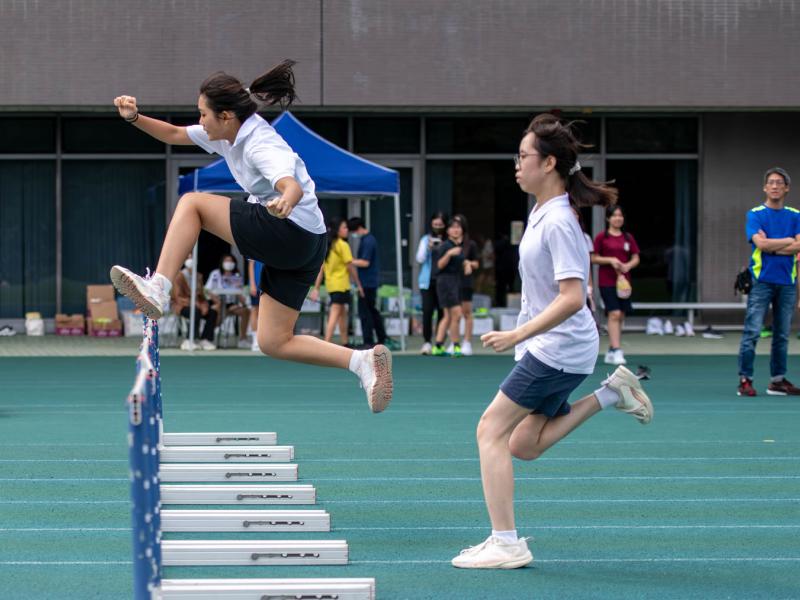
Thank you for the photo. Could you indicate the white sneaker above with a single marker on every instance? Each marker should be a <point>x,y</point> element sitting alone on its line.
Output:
<point>206,345</point>
<point>426,349</point>
<point>668,330</point>
<point>466,348</point>
<point>188,345</point>
<point>244,344</point>
<point>619,357</point>
<point>450,350</point>
<point>632,397</point>
<point>375,373</point>
<point>689,329</point>
<point>147,294</point>
<point>680,331</point>
<point>609,360</point>
<point>654,326</point>
<point>254,344</point>
<point>494,554</point>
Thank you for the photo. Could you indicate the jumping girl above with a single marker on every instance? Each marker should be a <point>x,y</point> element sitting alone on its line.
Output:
<point>280,225</point>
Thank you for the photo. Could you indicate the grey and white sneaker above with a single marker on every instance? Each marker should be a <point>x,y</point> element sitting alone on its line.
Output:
<point>632,398</point>
<point>375,373</point>
<point>147,294</point>
<point>493,553</point>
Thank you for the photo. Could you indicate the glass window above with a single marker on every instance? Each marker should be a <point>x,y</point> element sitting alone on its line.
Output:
<point>386,135</point>
<point>112,209</point>
<point>651,135</point>
<point>27,238</point>
<point>24,135</point>
<point>659,198</point>
<point>106,135</point>
<point>487,135</point>
<point>333,129</point>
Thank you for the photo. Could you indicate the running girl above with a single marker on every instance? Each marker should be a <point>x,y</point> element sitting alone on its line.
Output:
<point>556,339</point>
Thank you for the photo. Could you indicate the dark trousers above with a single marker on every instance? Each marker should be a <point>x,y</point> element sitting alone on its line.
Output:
<point>210,322</point>
<point>430,303</point>
<point>370,317</point>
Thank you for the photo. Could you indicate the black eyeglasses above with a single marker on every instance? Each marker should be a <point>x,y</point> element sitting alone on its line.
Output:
<point>518,158</point>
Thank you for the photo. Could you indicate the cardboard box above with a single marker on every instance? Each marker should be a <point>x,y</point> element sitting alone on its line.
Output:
<point>70,324</point>
<point>104,310</point>
<point>99,293</point>
<point>104,327</point>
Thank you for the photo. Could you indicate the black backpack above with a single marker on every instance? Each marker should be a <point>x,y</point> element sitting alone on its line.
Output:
<point>744,282</point>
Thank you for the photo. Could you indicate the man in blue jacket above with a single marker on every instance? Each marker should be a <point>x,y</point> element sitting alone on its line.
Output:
<point>369,269</point>
<point>773,231</point>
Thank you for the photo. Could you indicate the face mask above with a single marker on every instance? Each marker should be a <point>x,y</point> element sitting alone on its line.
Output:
<point>438,230</point>
<point>228,265</point>
<point>188,263</point>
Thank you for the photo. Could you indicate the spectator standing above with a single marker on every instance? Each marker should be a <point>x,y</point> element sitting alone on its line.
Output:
<point>369,268</point>
<point>470,266</point>
<point>773,231</point>
<point>254,276</point>
<point>449,259</point>
<point>617,253</point>
<point>427,278</point>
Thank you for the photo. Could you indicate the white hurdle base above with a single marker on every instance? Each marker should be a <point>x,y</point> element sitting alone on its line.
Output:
<point>223,454</point>
<point>175,553</point>
<point>238,494</point>
<point>266,589</point>
<point>202,472</point>
<point>251,521</point>
<point>220,439</point>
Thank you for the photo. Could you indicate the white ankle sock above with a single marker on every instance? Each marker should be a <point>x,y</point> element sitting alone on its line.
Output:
<point>606,397</point>
<point>165,283</point>
<point>356,359</point>
<point>507,537</point>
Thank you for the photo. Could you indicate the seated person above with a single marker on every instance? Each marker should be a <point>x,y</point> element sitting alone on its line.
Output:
<point>181,301</point>
<point>227,277</point>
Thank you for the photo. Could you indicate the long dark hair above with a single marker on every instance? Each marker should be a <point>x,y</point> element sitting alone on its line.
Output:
<point>437,215</point>
<point>226,92</point>
<point>333,232</point>
<point>557,139</point>
<point>461,220</point>
<point>610,210</point>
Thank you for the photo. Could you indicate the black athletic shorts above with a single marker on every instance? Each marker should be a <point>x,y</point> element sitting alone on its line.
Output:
<point>466,294</point>
<point>292,256</point>
<point>613,302</point>
<point>447,290</point>
<point>340,297</point>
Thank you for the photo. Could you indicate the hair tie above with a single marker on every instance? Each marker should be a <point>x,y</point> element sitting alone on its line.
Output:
<point>575,168</point>
<point>248,91</point>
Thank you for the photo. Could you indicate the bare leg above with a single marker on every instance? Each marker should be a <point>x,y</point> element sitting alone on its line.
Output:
<point>244,317</point>
<point>537,433</point>
<point>343,324</point>
<point>455,324</point>
<point>334,313</point>
<point>441,328</point>
<point>254,318</point>
<point>614,326</point>
<point>466,309</point>
<point>497,471</point>
<point>276,338</point>
<point>195,211</point>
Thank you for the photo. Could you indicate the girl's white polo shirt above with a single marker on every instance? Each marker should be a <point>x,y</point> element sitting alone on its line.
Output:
<point>553,249</point>
<point>258,159</point>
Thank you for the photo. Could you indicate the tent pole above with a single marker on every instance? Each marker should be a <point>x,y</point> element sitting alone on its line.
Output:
<point>399,260</point>
<point>192,309</point>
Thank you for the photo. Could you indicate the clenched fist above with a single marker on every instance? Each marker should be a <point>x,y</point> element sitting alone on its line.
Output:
<point>126,105</point>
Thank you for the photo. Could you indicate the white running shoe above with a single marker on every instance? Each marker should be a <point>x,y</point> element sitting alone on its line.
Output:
<point>466,348</point>
<point>609,360</point>
<point>632,397</point>
<point>254,345</point>
<point>450,350</point>
<point>619,357</point>
<point>492,553</point>
<point>668,330</point>
<point>147,294</point>
<point>188,345</point>
<point>375,373</point>
<point>206,345</point>
<point>243,344</point>
<point>689,329</point>
<point>680,331</point>
<point>426,349</point>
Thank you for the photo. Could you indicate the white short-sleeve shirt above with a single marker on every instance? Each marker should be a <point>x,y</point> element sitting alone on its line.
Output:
<point>258,158</point>
<point>553,249</point>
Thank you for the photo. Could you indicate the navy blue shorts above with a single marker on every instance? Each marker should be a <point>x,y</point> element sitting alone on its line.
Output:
<point>539,387</point>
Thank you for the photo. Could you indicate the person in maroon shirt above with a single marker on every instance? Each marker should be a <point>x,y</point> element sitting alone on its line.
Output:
<point>617,253</point>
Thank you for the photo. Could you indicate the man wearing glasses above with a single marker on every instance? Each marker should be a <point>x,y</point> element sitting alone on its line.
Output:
<point>773,231</point>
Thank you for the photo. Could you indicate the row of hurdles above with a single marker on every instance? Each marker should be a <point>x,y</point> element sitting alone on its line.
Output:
<point>221,469</point>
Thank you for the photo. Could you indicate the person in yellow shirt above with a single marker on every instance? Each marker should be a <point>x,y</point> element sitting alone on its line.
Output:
<point>338,271</point>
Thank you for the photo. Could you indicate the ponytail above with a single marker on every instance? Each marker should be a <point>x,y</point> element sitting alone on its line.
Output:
<point>276,86</point>
<point>557,139</point>
<point>225,92</point>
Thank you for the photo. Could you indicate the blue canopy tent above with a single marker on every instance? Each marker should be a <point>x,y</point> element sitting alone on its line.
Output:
<point>336,173</point>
